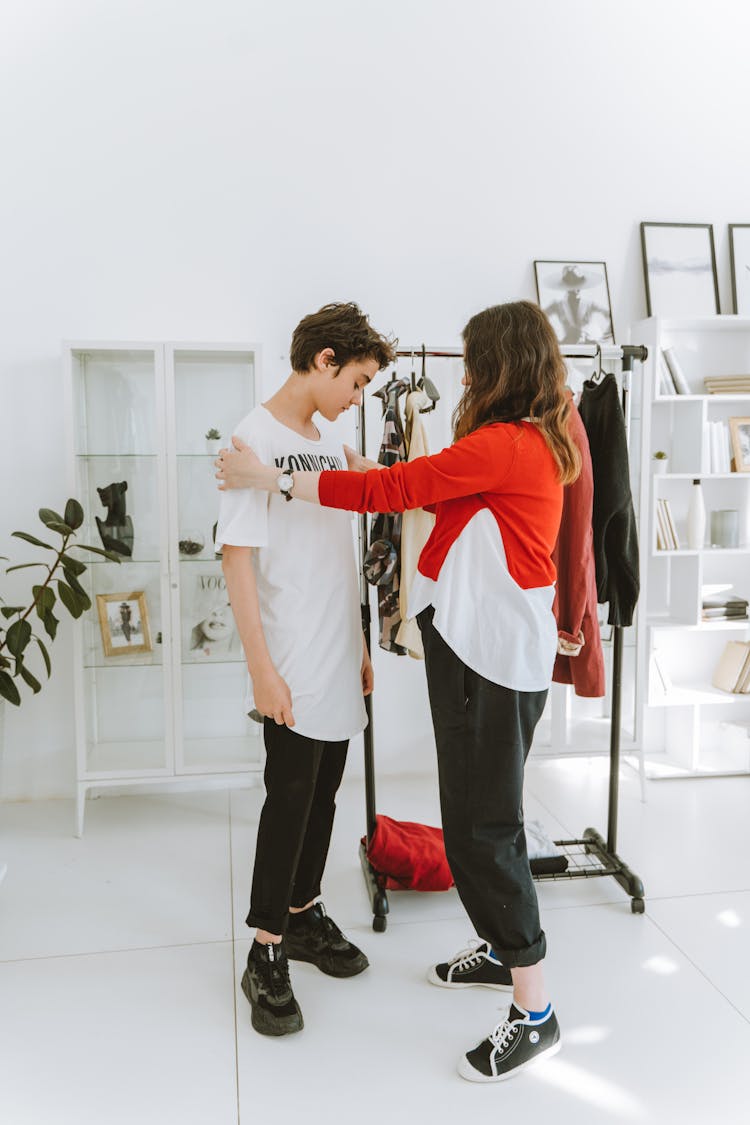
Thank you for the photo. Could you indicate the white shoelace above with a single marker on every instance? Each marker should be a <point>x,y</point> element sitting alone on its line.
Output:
<point>468,958</point>
<point>503,1033</point>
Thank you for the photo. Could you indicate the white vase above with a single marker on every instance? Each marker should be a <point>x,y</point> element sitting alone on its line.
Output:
<point>213,446</point>
<point>696,518</point>
<point>661,466</point>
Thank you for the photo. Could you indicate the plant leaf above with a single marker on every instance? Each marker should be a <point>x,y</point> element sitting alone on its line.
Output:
<point>69,599</point>
<point>31,680</point>
<point>47,514</point>
<point>17,637</point>
<point>24,566</point>
<point>75,566</point>
<point>8,689</point>
<point>45,599</point>
<point>60,527</point>
<point>45,656</point>
<point>31,539</point>
<point>99,551</point>
<point>50,623</point>
<point>9,610</point>
<point>78,589</point>
<point>73,514</point>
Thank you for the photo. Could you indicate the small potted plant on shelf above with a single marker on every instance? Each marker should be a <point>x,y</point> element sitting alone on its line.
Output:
<point>213,440</point>
<point>661,462</point>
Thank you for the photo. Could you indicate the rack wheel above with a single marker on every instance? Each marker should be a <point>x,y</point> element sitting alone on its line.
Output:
<point>638,906</point>
<point>379,923</point>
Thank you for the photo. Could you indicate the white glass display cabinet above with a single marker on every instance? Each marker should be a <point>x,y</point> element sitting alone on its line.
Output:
<point>688,727</point>
<point>160,676</point>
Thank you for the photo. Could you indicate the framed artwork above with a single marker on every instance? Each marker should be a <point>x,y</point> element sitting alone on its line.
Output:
<point>679,266</point>
<point>575,297</point>
<point>739,429</point>
<point>739,258</point>
<point>123,620</point>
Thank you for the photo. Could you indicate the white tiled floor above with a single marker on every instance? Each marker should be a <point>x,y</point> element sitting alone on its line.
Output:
<point>120,956</point>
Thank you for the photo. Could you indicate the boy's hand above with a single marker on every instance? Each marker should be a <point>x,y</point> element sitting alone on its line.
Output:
<point>356,463</point>
<point>368,676</point>
<point>273,697</point>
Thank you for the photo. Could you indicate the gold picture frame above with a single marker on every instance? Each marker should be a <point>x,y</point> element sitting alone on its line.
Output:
<point>739,429</point>
<point>124,625</point>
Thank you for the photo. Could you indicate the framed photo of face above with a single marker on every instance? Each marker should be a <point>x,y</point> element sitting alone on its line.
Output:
<point>123,620</point>
<point>739,258</point>
<point>575,297</point>
<point>739,429</point>
<point>679,266</point>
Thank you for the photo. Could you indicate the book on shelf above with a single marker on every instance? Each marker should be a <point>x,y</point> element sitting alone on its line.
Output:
<point>666,382</point>
<point>661,677</point>
<point>732,670</point>
<point>675,369</point>
<point>727,384</point>
<point>662,535</point>
<point>720,461</point>
<point>724,614</point>
<point>670,530</point>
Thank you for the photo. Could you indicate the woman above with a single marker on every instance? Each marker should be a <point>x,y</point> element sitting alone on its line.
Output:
<point>483,600</point>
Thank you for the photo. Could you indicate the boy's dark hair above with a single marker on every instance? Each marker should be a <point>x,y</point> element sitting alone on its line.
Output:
<point>346,329</point>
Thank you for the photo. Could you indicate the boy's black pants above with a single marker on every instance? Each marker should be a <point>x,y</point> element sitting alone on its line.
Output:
<point>483,734</point>
<point>302,777</point>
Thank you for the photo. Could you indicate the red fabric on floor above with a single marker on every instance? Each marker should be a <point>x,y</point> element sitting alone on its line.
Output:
<point>410,856</point>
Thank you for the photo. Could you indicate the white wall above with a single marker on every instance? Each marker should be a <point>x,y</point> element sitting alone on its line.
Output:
<point>187,170</point>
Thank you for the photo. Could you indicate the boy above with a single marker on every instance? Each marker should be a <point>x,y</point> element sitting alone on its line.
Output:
<point>292,583</point>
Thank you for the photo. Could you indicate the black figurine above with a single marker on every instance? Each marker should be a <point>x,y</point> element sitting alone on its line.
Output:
<point>116,529</point>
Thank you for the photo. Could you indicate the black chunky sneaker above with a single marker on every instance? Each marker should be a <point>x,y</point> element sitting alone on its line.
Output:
<point>266,984</point>
<point>473,966</point>
<point>314,937</point>
<point>515,1043</point>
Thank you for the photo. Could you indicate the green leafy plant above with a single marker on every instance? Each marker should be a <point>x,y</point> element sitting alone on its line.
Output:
<point>64,572</point>
<point>213,435</point>
<point>660,455</point>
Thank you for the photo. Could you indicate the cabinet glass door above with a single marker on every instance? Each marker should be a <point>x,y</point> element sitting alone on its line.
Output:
<point>120,479</point>
<point>213,389</point>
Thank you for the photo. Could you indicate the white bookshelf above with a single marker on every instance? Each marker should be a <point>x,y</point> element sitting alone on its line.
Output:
<point>689,728</point>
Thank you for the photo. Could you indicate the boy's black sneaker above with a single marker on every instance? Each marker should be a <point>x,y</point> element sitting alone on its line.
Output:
<point>266,984</point>
<point>314,937</point>
<point>472,966</point>
<point>514,1044</point>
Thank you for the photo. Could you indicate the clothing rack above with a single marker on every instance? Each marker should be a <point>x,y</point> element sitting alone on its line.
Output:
<point>591,856</point>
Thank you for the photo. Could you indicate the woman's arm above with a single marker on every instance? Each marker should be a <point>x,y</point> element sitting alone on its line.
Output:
<point>477,463</point>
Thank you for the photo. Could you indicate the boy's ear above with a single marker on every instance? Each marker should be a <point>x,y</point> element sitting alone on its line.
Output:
<point>325,359</point>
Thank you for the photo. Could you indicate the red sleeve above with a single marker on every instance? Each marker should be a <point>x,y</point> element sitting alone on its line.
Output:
<point>480,462</point>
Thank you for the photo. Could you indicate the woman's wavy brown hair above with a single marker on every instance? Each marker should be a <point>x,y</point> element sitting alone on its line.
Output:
<point>514,371</point>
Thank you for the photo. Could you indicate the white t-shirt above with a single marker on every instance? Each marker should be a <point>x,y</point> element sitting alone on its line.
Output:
<point>307,579</point>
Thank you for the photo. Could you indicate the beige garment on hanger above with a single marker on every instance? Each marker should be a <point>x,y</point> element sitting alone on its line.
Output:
<point>415,528</point>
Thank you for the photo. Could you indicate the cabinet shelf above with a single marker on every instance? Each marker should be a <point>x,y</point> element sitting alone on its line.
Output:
<point>698,694</point>
<point>660,399</point>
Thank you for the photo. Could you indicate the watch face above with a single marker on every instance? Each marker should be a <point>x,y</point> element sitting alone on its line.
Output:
<point>285,482</point>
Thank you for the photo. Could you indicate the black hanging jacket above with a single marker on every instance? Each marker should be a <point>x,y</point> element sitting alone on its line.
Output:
<point>615,532</point>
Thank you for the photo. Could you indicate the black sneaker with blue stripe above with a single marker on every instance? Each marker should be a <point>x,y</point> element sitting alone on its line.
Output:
<point>519,1041</point>
<point>470,967</point>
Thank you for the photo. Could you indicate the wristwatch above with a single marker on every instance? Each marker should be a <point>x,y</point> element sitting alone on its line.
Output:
<point>285,484</point>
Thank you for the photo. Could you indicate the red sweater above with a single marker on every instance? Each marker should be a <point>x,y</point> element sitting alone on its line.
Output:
<point>506,467</point>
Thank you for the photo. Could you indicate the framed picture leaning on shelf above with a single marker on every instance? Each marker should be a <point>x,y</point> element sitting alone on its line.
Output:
<point>739,429</point>
<point>679,266</point>
<point>575,297</point>
<point>739,258</point>
<point>123,620</point>
<point>209,624</point>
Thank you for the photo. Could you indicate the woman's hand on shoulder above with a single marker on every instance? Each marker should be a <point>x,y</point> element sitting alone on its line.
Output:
<point>240,467</point>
